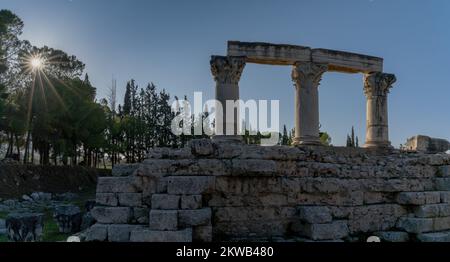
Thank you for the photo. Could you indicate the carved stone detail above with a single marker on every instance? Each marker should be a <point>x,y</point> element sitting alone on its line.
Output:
<point>303,72</point>
<point>378,84</point>
<point>227,69</point>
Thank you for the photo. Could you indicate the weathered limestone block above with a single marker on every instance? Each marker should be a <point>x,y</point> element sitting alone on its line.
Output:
<point>140,215</point>
<point>97,232</point>
<point>314,214</point>
<point>425,211</point>
<point>445,197</point>
<point>351,198</point>
<point>226,214</point>
<point>112,215</point>
<point>130,184</point>
<point>441,223</point>
<point>68,218</point>
<point>443,171</point>
<point>393,236</point>
<point>249,185</point>
<point>184,235</point>
<point>427,144</point>
<point>25,227</point>
<point>162,167</point>
<point>434,237</point>
<point>335,230</point>
<point>373,218</point>
<point>442,184</point>
<point>191,201</point>
<point>251,230</point>
<point>190,185</point>
<point>378,198</point>
<point>165,201</point>
<point>283,153</point>
<point>124,169</point>
<point>130,199</point>
<point>196,217</point>
<point>202,234</point>
<point>415,225</point>
<point>121,232</point>
<point>163,219</point>
<point>252,200</point>
<point>253,167</point>
<point>418,198</point>
<point>169,153</point>
<point>201,147</point>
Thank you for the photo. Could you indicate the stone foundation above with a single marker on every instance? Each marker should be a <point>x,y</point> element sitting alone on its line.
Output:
<point>213,191</point>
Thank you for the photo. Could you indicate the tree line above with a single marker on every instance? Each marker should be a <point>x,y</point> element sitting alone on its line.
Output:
<point>49,113</point>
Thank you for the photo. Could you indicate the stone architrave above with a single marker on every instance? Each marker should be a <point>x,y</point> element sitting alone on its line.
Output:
<point>376,88</point>
<point>227,71</point>
<point>306,78</point>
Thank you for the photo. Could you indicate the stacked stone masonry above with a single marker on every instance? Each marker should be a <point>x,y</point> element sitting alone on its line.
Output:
<point>214,191</point>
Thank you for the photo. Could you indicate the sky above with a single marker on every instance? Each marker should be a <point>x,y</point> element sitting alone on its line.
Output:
<point>170,42</point>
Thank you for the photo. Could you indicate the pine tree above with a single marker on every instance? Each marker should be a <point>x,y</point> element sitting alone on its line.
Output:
<point>285,137</point>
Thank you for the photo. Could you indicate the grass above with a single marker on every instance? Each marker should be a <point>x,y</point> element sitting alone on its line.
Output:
<point>51,232</point>
<point>3,238</point>
<point>3,214</point>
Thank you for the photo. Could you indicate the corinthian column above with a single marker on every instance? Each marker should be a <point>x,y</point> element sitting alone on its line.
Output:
<point>227,72</point>
<point>306,78</point>
<point>376,88</point>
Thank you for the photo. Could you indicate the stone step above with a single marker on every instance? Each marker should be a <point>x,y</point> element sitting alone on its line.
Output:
<point>434,237</point>
<point>147,235</point>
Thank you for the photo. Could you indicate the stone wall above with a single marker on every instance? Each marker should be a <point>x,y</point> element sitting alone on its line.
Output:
<point>211,191</point>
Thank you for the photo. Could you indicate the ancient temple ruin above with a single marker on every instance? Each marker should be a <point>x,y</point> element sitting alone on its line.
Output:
<point>220,189</point>
<point>308,66</point>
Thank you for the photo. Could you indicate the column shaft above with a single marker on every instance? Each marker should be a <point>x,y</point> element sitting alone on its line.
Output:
<point>227,71</point>
<point>306,78</point>
<point>376,88</point>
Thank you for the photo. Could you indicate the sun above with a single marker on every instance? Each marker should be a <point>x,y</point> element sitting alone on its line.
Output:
<point>36,63</point>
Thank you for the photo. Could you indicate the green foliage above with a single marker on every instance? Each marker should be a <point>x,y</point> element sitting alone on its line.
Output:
<point>325,138</point>
<point>352,141</point>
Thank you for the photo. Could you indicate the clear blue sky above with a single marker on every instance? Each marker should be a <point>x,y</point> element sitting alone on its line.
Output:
<point>170,42</point>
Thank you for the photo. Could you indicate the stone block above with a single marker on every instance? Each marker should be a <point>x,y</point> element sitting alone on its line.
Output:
<point>374,218</point>
<point>130,199</point>
<point>393,236</point>
<point>97,232</point>
<point>165,201</point>
<point>415,225</point>
<point>191,201</point>
<point>418,198</point>
<point>427,210</point>
<point>106,199</point>
<point>112,215</point>
<point>140,215</point>
<point>335,230</point>
<point>130,184</point>
<point>196,217</point>
<point>434,237</point>
<point>445,197</point>
<point>163,219</point>
<point>190,185</point>
<point>201,147</point>
<point>120,232</point>
<point>253,167</point>
<point>161,236</point>
<point>68,218</point>
<point>441,223</point>
<point>202,234</point>
<point>442,184</point>
<point>25,227</point>
<point>314,214</point>
<point>124,169</point>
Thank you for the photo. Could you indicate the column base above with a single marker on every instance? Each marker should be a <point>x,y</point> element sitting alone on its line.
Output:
<point>307,141</point>
<point>378,144</point>
<point>228,139</point>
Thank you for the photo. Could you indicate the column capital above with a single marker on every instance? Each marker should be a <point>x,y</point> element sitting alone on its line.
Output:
<point>378,83</point>
<point>303,72</point>
<point>227,69</point>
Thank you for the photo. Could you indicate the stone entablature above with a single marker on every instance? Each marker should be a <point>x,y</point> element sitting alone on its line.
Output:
<point>282,54</point>
<point>224,191</point>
